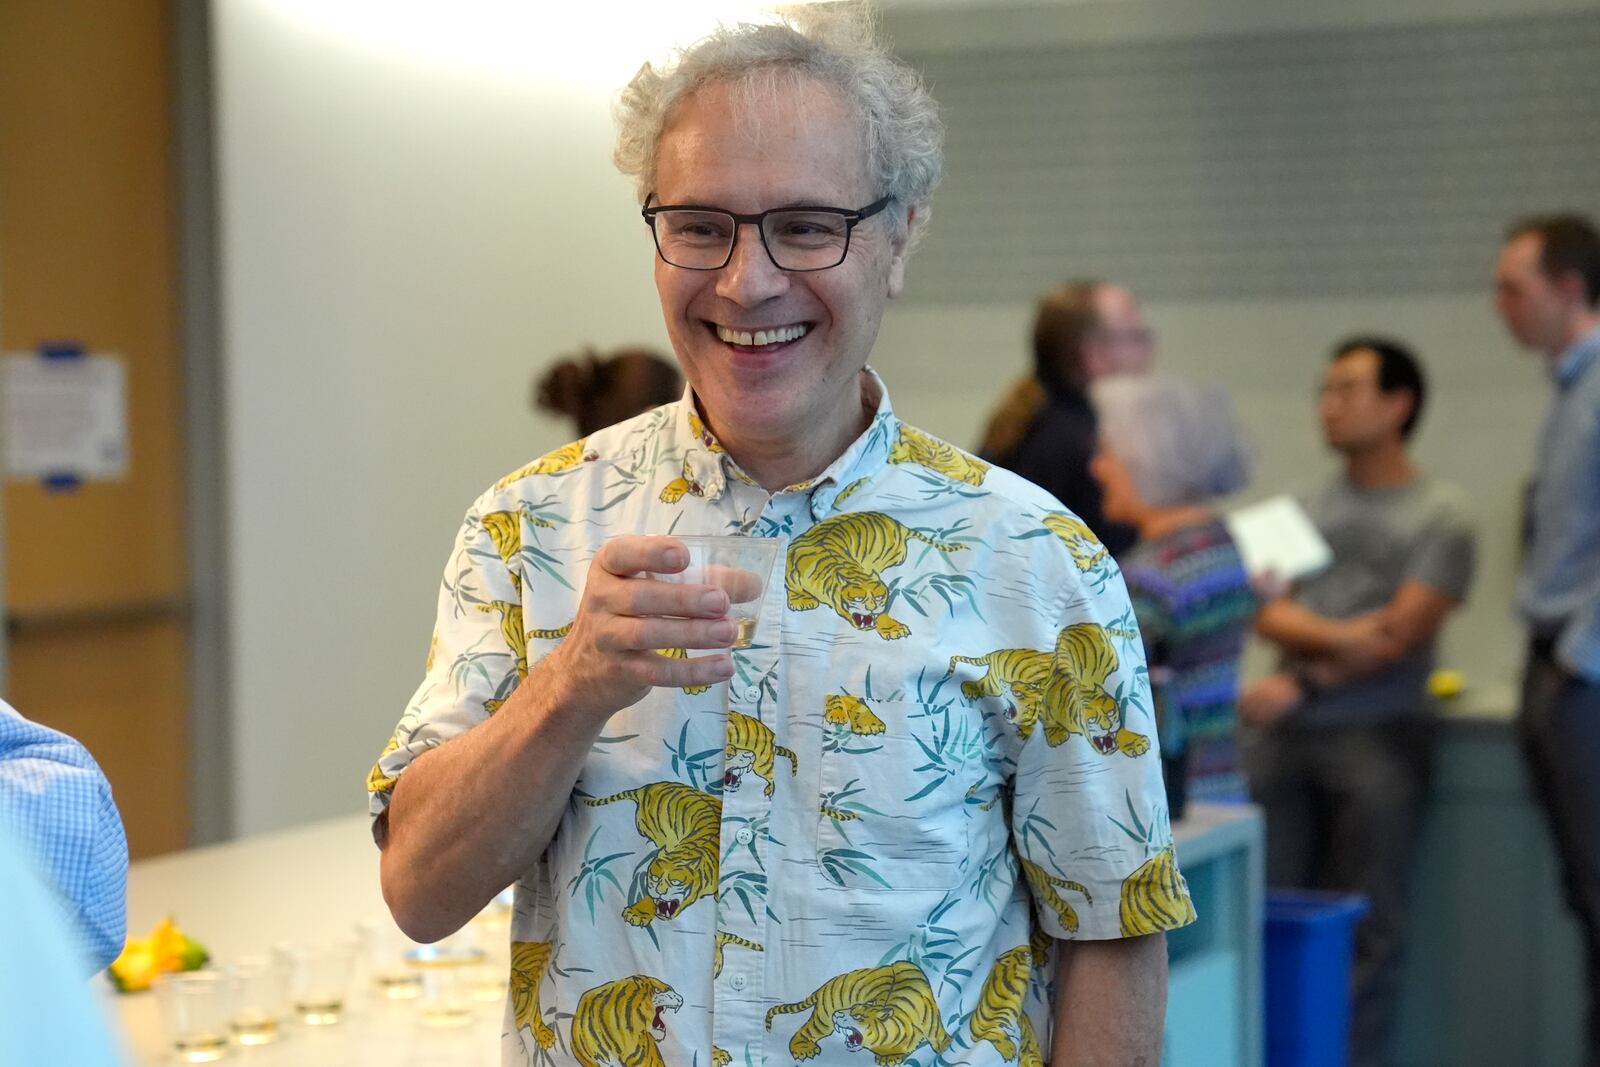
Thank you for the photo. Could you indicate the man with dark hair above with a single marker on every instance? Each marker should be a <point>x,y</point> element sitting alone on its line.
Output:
<point>1547,290</point>
<point>1340,752</point>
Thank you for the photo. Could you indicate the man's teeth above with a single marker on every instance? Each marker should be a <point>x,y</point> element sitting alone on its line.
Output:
<point>757,338</point>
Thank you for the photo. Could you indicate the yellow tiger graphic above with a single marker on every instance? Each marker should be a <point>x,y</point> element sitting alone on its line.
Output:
<point>688,483</point>
<point>562,459</point>
<point>620,1023</point>
<point>1155,897</point>
<point>516,638</point>
<point>999,1018</point>
<point>682,653</point>
<point>1082,545</point>
<point>551,635</point>
<point>433,652</point>
<point>1040,943</point>
<point>840,709</point>
<point>698,428</point>
<point>751,747</point>
<point>1045,885</point>
<point>848,491</point>
<point>528,961</point>
<point>889,1010</point>
<point>725,938</point>
<point>1022,675</point>
<point>505,532</point>
<point>838,562</point>
<point>720,1057</point>
<point>1077,702</point>
<point>684,825</point>
<point>377,781</point>
<point>914,446</point>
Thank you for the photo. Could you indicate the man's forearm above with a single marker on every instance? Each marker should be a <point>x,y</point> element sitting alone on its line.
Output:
<point>1111,1002</point>
<point>1299,629</point>
<point>471,816</point>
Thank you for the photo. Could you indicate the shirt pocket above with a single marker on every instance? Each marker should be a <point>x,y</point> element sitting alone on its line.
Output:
<point>898,795</point>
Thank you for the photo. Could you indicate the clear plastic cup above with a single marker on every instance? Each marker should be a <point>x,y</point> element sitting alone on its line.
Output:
<point>194,1013</point>
<point>319,980</point>
<point>740,567</point>
<point>258,999</point>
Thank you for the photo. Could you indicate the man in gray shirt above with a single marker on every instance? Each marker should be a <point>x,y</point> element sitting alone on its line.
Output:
<point>1340,751</point>
<point>1547,289</point>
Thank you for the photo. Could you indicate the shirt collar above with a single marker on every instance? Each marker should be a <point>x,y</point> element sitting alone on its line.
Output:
<point>708,463</point>
<point>1576,359</point>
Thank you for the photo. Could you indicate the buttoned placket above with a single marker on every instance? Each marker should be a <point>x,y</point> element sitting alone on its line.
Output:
<point>739,990</point>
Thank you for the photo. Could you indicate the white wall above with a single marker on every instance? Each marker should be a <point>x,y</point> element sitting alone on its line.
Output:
<point>407,237</point>
<point>405,242</point>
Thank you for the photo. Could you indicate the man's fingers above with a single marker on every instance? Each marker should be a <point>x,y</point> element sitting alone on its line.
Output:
<point>633,554</point>
<point>647,634</point>
<point>673,673</point>
<point>648,596</point>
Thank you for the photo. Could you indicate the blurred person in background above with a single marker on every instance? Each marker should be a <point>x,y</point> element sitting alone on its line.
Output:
<point>596,392</point>
<point>1168,450</point>
<point>57,804</point>
<point>1341,759</point>
<point>1044,428</point>
<point>1547,291</point>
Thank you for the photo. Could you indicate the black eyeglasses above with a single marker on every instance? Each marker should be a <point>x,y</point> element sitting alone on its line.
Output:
<point>796,238</point>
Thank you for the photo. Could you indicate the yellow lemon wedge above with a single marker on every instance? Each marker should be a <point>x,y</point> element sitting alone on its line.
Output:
<point>166,948</point>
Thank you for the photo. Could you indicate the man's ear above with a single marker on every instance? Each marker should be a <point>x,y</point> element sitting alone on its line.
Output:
<point>899,246</point>
<point>1572,287</point>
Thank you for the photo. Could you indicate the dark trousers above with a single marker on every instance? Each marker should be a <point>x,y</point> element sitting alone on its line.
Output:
<point>1343,805</point>
<point>1559,728</point>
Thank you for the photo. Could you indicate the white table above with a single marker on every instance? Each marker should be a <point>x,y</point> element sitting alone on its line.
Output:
<point>306,885</point>
<point>314,883</point>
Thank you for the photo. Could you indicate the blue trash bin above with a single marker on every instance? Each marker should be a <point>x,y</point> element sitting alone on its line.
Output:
<point>1310,940</point>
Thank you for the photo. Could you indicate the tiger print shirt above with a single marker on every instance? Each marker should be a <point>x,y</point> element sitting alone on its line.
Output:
<point>937,754</point>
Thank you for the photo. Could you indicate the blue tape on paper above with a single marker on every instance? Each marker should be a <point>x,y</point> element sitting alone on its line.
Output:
<point>61,350</point>
<point>61,483</point>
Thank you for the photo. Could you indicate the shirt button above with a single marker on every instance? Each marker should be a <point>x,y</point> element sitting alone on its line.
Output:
<point>737,981</point>
<point>753,694</point>
<point>744,836</point>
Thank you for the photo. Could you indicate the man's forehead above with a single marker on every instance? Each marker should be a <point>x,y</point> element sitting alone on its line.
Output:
<point>766,116</point>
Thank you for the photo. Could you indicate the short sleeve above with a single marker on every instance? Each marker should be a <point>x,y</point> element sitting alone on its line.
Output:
<point>1445,555</point>
<point>58,802</point>
<point>1089,812</point>
<point>476,657</point>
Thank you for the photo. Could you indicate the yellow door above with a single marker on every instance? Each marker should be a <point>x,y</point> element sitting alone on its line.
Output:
<point>96,578</point>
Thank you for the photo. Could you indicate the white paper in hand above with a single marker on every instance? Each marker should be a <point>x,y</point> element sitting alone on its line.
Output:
<point>1277,536</point>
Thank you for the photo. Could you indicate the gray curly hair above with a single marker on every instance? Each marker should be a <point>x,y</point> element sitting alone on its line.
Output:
<point>1179,440</point>
<point>903,135</point>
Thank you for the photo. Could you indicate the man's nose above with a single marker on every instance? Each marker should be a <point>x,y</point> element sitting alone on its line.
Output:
<point>750,277</point>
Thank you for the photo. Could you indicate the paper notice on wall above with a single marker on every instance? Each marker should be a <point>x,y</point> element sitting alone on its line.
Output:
<point>64,418</point>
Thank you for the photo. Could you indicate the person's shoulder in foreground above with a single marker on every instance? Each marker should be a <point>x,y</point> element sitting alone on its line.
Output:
<point>48,1014</point>
<point>59,806</point>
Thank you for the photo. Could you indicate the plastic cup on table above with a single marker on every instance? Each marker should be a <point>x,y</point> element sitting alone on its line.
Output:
<point>194,1013</point>
<point>258,988</point>
<point>319,980</point>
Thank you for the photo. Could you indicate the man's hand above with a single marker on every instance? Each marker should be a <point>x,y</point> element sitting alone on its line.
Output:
<point>609,659</point>
<point>1365,646</point>
<point>1270,699</point>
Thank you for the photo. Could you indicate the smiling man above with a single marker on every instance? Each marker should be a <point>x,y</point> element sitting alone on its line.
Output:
<point>936,758</point>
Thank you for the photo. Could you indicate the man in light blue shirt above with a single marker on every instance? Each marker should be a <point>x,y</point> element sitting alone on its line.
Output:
<point>57,804</point>
<point>48,1013</point>
<point>1547,289</point>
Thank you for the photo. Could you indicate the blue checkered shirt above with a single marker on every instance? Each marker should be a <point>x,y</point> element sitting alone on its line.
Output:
<point>58,806</point>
